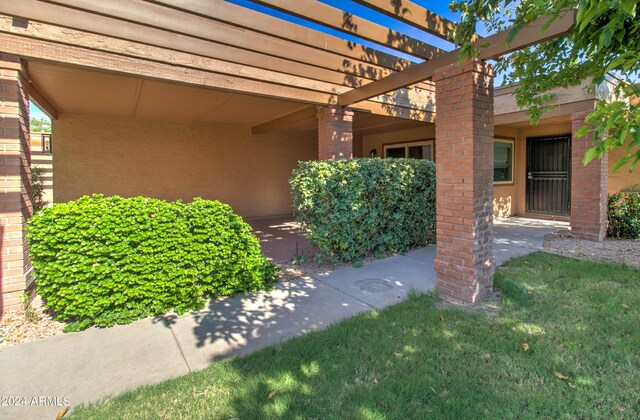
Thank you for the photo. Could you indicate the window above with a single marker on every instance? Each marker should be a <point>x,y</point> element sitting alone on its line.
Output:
<point>503,161</point>
<point>415,150</point>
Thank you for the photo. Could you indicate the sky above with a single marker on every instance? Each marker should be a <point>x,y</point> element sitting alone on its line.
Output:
<point>35,112</point>
<point>439,7</point>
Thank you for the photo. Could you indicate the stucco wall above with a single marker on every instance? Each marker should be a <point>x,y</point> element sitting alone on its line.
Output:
<point>621,178</point>
<point>131,157</point>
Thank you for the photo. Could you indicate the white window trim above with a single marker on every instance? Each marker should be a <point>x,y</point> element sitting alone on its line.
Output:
<point>513,162</point>
<point>406,147</point>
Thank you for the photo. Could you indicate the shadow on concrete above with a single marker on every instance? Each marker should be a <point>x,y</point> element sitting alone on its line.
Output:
<point>281,238</point>
<point>244,323</point>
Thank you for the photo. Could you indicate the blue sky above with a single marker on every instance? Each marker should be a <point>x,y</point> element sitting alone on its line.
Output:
<point>35,112</point>
<point>439,7</point>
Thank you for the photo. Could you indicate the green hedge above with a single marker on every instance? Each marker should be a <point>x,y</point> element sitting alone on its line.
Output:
<point>356,208</point>
<point>105,261</point>
<point>624,214</point>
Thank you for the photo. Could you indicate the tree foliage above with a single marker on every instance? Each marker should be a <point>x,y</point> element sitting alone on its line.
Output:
<point>604,44</point>
<point>40,125</point>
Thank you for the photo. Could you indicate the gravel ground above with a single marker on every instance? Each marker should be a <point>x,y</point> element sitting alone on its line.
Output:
<point>611,250</point>
<point>18,327</point>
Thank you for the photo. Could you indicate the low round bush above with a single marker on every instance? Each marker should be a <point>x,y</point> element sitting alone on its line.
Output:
<point>111,260</point>
<point>355,208</point>
<point>624,214</point>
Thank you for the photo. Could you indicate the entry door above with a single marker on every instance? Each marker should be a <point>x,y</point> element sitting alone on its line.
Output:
<point>549,175</point>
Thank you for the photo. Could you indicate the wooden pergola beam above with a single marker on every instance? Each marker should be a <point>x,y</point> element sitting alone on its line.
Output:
<point>31,48</point>
<point>331,17</point>
<point>285,120</point>
<point>245,63</point>
<point>496,47</point>
<point>403,97</point>
<point>36,96</point>
<point>157,25</point>
<point>412,14</point>
<point>242,17</point>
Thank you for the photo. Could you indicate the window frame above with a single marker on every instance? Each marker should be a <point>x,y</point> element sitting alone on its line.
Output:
<point>513,160</point>
<point>408,144</point>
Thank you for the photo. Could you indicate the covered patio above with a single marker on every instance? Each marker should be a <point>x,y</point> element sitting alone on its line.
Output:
<point>176,100</point>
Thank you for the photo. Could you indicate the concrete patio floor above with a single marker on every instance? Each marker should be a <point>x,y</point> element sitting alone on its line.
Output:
<point>281,238</point>
<point>90,365</point>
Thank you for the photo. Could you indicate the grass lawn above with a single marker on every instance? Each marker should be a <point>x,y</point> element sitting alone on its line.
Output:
<point>579,320</point>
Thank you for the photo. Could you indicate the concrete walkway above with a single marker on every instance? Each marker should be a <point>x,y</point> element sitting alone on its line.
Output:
<point>87,366</point>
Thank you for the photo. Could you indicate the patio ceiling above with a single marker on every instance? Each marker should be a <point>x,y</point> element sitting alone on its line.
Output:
<point>79,90</point>
<point>223,46</point>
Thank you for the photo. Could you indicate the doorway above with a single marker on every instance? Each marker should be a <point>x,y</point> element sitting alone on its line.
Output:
<point>549,175</point>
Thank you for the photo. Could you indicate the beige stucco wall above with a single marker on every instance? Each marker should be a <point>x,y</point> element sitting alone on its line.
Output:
<point>155,158</point>
<point>621,178</point>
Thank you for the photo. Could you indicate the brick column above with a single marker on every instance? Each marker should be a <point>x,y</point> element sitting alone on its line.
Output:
<point>464,180</point>
<point>335,132</point>
<point>589,187</point>
<point>15,176</point>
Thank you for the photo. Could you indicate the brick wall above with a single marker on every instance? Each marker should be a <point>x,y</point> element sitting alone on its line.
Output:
<point>335,132</point>
<point>589,187</point>
<point>464,188</point>
<point>15,206</point>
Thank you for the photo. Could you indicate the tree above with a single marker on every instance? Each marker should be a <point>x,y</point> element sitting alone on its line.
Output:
<point>605,43</point>
<point>40,125</point>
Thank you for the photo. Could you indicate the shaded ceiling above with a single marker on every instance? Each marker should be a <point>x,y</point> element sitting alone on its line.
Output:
<point>78,90</point>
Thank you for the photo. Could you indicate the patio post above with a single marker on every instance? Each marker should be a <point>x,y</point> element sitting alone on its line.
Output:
<point>15,176</point>
<point>464,180</point>
<point>589,187</point>
<point>335,132</point>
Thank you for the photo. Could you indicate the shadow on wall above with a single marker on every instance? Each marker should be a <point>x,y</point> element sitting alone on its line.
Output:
<point>370,55</point>
<point>411,102</point>
<point>502,207</point>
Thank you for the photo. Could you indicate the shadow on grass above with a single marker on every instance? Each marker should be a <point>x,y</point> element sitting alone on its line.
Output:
<point>412,360</point>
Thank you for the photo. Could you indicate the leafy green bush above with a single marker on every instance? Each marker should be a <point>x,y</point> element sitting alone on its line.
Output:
<point>37,186</point>
<point>624,214</point>
<point>105,261</point>
<point>355,208</point>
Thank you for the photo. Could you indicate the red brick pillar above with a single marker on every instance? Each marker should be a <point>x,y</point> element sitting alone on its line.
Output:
<point>464,180</point>
<point>335,132</point>
<point>589,187</point>
<point>15,176</point>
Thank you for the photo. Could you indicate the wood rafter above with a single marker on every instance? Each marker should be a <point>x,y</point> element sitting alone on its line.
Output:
<point>68,54</point>
<point>403,97</point>
<point>414,15</point>
<point>496,47</point>
<point>285,120</point>
<point>157,25</point>
<point>234,60</point>
<point>336,19</point>
<point>36,96</point>
<point>249,19</point>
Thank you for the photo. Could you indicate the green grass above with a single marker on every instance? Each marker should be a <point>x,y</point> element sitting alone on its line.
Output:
<point>412,360</point>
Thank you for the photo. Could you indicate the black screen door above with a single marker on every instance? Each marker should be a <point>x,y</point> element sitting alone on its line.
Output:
<point>549,175</point>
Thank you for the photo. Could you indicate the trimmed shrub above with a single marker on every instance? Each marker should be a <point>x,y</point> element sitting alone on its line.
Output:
<point>111,260</point>
<point>624,214</point>
<point>356,208</point>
